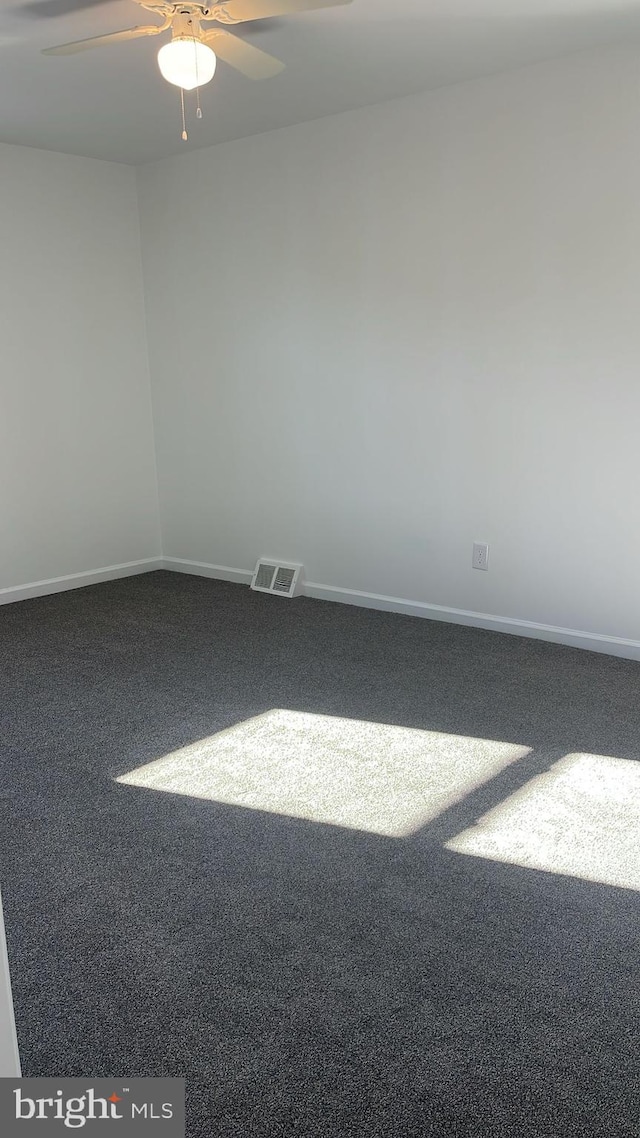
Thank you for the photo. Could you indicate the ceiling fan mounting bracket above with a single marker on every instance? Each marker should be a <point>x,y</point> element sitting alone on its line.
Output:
<point>220,15</point>
<point>216,12</point>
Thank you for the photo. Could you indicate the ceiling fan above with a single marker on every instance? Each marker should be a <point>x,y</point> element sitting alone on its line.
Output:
<point>188,59</point>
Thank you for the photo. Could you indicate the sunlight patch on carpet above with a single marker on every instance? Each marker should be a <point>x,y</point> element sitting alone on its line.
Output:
<point>581,819</point>
<point>365,776</point>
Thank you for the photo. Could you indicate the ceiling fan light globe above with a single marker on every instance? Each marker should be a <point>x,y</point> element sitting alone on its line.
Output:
<point>187,63</point>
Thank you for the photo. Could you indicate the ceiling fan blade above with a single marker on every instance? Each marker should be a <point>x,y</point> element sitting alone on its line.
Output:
<point>241,10</point>
<point>251,61</point>
<point>100,41</point>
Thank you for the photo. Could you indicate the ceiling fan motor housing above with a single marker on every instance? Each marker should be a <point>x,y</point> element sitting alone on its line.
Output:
<point>186,24</point>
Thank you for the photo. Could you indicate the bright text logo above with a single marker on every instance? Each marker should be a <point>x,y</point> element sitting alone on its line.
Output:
<point>136,1106</point>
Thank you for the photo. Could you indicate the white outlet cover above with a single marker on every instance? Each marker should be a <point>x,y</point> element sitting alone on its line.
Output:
<point>480,555</point>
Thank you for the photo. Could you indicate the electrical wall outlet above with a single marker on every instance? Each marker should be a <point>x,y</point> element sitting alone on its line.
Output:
<point>480,555</point>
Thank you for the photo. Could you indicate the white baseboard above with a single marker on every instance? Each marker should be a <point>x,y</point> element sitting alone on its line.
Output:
<point>204,569</point>
<point>77,580</point>
<point>573,638</point>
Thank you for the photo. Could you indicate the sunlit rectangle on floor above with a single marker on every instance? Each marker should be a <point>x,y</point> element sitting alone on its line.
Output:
<point>345,772</point>
<point>581,818</point>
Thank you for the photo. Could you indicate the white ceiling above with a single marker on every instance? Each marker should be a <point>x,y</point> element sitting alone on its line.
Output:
<point>112,103</point>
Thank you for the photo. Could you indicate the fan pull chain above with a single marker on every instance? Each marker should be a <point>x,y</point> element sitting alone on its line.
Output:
<point>198,107</point>
<point>185,136</point>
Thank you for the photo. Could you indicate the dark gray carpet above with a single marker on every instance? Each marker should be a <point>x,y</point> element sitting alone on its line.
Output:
<point>307,979</point>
